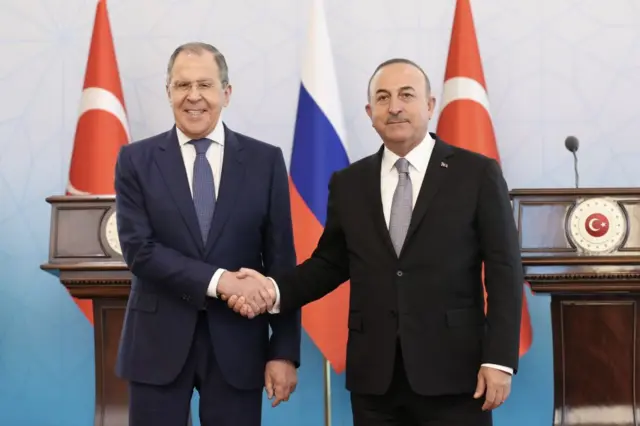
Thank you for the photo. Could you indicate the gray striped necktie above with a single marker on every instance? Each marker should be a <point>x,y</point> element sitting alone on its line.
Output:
<point>401,207</point>
<point>204,190</point>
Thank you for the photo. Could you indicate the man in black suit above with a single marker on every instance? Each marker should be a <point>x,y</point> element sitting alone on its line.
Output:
<point>411,227</point>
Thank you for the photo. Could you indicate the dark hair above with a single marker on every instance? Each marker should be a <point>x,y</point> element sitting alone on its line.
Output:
<point>399,61</point>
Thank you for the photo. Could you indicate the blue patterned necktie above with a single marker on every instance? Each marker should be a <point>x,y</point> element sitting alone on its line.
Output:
<point>204,191</point>
<point>401,206</point>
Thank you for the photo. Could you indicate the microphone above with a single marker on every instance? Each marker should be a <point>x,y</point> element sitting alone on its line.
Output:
<point>571,143</point>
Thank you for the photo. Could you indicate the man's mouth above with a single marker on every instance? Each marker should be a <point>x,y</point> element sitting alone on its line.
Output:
<point>195,112</point>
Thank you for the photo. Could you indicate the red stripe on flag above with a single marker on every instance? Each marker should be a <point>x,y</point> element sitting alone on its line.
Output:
<point>99,136</point>
<point>477,127</point>
<point>327,317</point>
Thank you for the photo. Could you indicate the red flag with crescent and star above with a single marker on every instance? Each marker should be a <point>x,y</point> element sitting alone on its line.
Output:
<point>102,126</point>
<point>465,120</point>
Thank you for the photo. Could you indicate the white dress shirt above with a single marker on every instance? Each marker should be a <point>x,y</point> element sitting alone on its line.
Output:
<point>215,155</point>
<point>418,159</point>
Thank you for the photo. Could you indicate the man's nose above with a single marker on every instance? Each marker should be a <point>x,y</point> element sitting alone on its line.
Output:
<point>395,106</point>
<point>194,94</point>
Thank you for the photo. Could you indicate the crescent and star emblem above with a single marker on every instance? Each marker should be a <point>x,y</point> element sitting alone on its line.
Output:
<point>597,226</point>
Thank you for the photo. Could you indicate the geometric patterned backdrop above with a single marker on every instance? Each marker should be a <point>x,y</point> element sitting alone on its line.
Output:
<point>553,68</point>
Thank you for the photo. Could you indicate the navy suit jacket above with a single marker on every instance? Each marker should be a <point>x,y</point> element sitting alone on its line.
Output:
<point>172,268</point>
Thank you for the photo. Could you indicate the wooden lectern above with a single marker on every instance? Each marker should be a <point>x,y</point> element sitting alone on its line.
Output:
<point>84,252</point>
<point>582,246</point>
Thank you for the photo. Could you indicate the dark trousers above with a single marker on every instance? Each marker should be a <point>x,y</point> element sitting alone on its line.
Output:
<point>220,403</point>
<point>401,406</point>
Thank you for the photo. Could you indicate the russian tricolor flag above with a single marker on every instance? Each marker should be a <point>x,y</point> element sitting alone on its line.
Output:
<point>319,149</point>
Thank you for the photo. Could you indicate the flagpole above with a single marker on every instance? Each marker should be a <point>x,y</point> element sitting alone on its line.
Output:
<point>327,392</point>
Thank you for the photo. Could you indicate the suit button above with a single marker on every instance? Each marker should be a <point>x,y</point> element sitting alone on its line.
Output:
<point>186,297</point>
<point>399,273</point>
<point>393,314</point>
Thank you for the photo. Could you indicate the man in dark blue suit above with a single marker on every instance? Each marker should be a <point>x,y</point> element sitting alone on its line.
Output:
<point>193,205</point>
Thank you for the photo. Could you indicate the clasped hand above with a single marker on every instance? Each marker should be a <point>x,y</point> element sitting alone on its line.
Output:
<point>247,292</point>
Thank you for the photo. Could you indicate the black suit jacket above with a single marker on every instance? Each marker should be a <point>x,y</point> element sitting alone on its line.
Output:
<point>431,296</point>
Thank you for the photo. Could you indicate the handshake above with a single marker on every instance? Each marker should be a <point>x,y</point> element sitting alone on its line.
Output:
<point>247,292</point>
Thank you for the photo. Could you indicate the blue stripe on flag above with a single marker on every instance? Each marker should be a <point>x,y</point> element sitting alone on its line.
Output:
<point>317,152</point>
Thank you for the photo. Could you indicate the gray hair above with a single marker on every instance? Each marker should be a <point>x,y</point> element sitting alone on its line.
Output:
<point>399,61</point>
<point>198,48</point>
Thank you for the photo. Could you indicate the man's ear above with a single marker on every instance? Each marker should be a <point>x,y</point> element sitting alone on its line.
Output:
<point>227,94</point>
<point>432,106</point>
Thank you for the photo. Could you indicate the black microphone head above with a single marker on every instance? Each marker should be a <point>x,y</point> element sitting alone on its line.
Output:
<point>571,143</point>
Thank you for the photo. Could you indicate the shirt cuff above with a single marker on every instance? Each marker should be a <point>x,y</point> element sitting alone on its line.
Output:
<point>212,290</point>
<point>276,306</point>
<point>499,367</point>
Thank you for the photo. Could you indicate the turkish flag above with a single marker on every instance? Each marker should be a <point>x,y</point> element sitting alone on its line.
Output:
<point>465,120</point>
<point>102,126</point>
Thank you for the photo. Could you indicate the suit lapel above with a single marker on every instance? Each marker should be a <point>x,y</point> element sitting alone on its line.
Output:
<point>437,170</point>
<point>372,183</point>
<point>168,157</point>
<point>230,186</point>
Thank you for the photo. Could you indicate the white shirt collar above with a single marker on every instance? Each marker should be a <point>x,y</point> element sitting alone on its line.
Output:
<point>418,157</point>
<point>216,135</point>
